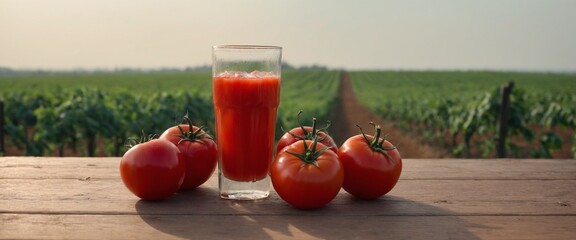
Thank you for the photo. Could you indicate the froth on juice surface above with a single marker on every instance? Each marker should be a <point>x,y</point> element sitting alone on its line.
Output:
<point>245,105</point>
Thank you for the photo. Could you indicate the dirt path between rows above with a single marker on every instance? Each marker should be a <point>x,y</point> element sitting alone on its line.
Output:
<point>348,112</point>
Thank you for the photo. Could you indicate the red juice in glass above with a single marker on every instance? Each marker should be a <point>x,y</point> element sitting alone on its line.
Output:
<point>246,95</point>
<point>245,110</point>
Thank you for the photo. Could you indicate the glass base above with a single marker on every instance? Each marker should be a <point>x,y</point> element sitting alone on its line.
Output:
<point>230,189</point>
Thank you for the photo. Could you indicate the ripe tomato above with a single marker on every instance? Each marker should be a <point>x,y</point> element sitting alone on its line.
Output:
<point>372,165</point>
<point>306,178</point>
<point>197,148</point>
<point>153,170</point>
<point>306,133</point>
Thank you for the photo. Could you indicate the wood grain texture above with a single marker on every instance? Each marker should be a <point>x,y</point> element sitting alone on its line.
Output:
<point>413,197</point>
<point>84,198</point>
<point>41,226</point>
<point>421,169</point>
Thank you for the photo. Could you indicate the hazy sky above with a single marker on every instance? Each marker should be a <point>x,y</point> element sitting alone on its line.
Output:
<point>403,34</point>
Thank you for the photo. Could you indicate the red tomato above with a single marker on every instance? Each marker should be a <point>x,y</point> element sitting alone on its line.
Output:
<point>199,152</point>
<point>306,178</point>
<point>153,170</point>
<point>306,133</point>
<point>372,165</point>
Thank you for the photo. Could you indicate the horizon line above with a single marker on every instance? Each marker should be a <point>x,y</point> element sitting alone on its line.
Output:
<point>202,67</point>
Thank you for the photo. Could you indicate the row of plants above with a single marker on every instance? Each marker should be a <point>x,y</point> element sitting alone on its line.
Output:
<point>467,121</point>
<point>39,123</point>
<point>313,92</point>
<point>54,119</point>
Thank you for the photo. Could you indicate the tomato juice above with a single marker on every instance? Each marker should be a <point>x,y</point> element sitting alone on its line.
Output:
<point>245,108</point>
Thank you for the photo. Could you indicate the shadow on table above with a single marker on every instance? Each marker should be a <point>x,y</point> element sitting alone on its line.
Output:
<point>200,214</point>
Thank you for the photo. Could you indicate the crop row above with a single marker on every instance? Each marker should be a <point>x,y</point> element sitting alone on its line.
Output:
<point>47,119</point>
<point>462,110</point>
<point>313,92</point>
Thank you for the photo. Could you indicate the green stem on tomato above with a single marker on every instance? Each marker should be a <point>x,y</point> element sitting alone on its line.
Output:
<point>310,155</point>
<point>191,135</point>
<point>308,135</point>
<point>133,141</point>
<point>375,143</point>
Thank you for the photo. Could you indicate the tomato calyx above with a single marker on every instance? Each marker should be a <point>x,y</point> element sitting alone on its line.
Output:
<point>133,141</point>
<point>310,155</point>
<point>375,143</point>
<point>309,135</point>
<point>191,135</point>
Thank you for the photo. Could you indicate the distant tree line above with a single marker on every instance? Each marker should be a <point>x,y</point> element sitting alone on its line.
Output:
<point>6,71</point>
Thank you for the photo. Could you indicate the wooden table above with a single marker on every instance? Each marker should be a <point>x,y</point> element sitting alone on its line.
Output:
<point>84,198</point>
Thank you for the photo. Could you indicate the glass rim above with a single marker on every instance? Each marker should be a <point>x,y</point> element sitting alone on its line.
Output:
<point>240,46</point>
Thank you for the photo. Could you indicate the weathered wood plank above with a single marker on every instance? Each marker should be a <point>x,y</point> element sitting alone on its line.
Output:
<point>76,168</point>
<point>410,197</point>
<point>517,169</point>
<point>40,226</point>
<point>84,198</point>
<point>51,167</point>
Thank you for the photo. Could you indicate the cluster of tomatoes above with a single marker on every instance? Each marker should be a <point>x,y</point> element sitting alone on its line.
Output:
<point>182,158</point>
<point>308,170</point>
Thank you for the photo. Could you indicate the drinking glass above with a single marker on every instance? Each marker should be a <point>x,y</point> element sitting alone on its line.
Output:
<point>246,95</point>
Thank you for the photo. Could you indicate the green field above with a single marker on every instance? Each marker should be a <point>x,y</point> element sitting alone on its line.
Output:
<point>113,82</point>
<point>311,91</point>
<point>433,85</point>
<point>459,109</point>
<point>465,106</point>
<point>49,112</point>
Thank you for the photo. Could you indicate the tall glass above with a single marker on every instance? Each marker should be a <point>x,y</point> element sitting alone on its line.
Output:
<point>246,94</point>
